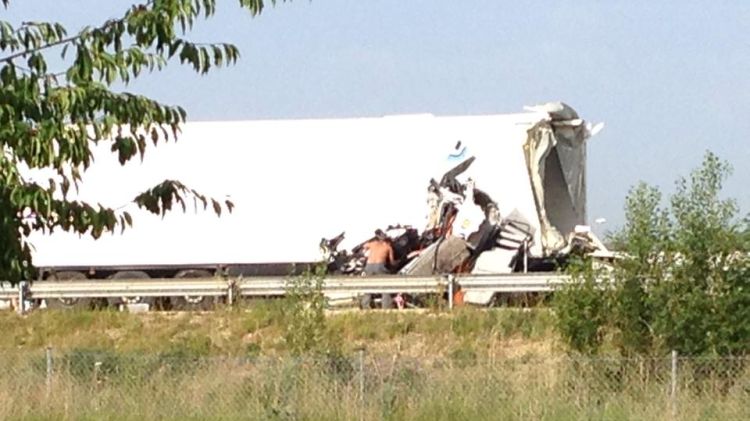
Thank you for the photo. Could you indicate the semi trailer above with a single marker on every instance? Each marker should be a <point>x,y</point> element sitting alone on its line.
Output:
<point>295,182</point>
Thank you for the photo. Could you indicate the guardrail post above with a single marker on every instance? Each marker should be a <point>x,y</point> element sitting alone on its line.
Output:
<point>230,293</point>
<point>21,297</point>
<point>526,256</point>
<point>451,280</point>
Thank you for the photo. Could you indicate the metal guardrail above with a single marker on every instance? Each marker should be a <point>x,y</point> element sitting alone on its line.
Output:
<point>254,287</point>
<point>8,291</point>
<point>277,286</point>
<point>511,283</point>
<point>166,287</point>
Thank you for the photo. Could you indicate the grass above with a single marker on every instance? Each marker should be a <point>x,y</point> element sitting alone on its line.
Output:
<point>326,388</point>
<point>499,364</point>
<point>260,330</point>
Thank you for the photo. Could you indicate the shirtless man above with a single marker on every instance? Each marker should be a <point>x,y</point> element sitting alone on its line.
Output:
<point>379,256</point>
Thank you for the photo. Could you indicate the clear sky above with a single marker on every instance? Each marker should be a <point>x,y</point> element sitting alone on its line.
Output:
<point>670,79</point>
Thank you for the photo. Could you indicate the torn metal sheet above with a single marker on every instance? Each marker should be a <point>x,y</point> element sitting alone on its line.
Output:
<point>481,298</point>
<point>484,238</point>
<point>584,241</point>
<point>515,232</point>
<point>538,147</point>
<point>495,261</point>
<point>557,144</point>
<point>469,215</point>
<point>450,253</point>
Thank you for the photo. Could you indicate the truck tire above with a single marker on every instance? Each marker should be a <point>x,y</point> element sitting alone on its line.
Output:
<point>365,301</point>
<point>198,302</point>
<point>131,274</point>
<point>73,303</point>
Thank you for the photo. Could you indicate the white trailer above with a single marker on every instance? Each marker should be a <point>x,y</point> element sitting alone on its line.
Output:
<point>295,181</point>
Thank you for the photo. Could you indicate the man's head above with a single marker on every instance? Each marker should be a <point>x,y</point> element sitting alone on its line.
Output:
<point>381,236</point>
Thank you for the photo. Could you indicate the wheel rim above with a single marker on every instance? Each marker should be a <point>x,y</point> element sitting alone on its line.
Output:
<point>68,301</point>
<point>193,299</point>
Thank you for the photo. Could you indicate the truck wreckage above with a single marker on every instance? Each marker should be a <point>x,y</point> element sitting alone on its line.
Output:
<point>477,194</point>
<point>465,230</point>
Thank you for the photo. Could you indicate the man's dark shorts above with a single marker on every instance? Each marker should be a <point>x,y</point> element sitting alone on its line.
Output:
<point>376,269</point>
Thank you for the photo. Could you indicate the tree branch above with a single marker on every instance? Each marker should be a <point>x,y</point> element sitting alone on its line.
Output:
<point>24,53</point>
<point>11,57</point>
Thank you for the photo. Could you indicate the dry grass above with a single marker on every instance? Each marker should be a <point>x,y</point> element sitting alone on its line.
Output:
<point>259,330</point>
<point>233,364</point>
<point>332,389</point>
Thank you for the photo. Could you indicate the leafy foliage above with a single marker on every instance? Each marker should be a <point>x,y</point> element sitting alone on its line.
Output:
<point>305,312</point>
<point>684,283</point>
<point>580,308</point>
<point>51,119</point>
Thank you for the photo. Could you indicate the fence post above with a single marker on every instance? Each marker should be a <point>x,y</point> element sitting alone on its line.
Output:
<point>97,368</point>
<point>95,385</point>
<point>48,379</point>
<point>673,386</point>
<point>362,383</point>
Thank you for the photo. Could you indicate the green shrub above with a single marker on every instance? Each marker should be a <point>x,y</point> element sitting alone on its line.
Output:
<point>682,283</point>
<point>581,309</point>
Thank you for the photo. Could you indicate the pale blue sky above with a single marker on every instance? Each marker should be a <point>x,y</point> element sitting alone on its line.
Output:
<point>670,80</point>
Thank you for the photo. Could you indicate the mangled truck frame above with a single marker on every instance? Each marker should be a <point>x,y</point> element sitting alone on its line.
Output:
<point>479,215</point>
<point>484,194</point>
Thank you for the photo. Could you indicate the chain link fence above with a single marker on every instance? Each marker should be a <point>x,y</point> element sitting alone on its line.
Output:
<point>363,386</point>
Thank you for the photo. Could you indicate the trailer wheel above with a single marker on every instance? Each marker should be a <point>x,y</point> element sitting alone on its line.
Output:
<point>365,301</point>
<point>73,303</point>
<point>194,302</point>
<point>131,274</point>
